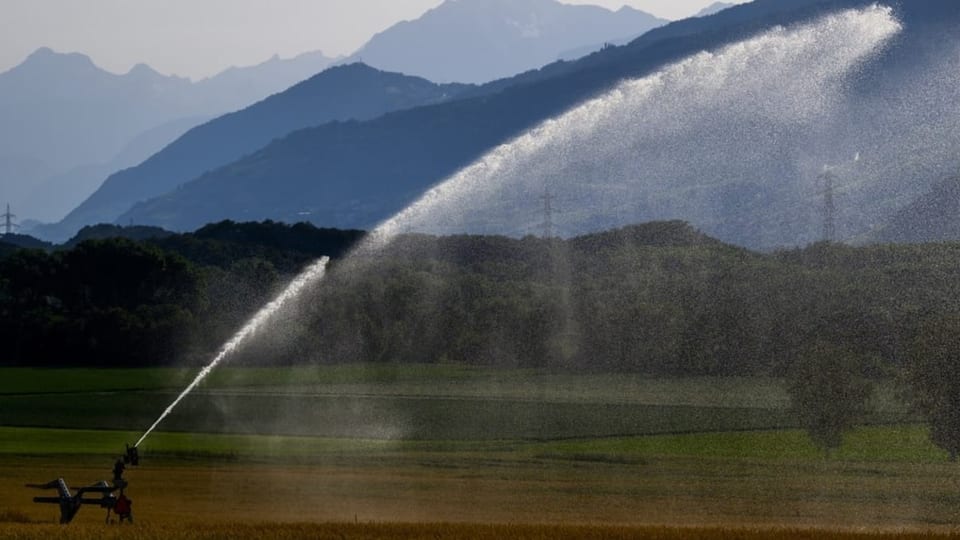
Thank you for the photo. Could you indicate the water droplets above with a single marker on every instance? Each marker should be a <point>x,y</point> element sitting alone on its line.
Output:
<point>312,274</point>
<point>668,145</point>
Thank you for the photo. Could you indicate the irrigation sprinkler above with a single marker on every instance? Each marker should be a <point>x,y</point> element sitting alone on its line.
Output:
<point>108,498</point>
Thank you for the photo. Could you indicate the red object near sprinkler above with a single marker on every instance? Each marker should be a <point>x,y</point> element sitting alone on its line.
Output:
<point>70,504</point>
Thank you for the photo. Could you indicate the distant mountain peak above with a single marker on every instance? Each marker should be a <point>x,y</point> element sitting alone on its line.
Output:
<point>353,92</point>
<point>67,124</point>
<point>306,64</point>
<point>45,57</point>
<point>143,70</point>
<point>41,53</point>
<point>475,41</point>
<point>715,7</point>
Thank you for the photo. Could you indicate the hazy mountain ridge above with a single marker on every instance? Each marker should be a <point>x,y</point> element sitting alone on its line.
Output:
<point>349,92</point>
<point>232,89</point>
<point>713,8</point>
<point>476,41</point>
<point>74,186</point>
<point>932,217</point>
<point>61,113</point>
<point>354,175</point>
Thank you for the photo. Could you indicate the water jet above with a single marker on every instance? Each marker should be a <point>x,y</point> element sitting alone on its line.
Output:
<point>311,275</point>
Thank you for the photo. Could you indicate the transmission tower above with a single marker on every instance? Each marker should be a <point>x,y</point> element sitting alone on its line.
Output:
<point>548,199</point>
<point>829,207</point>
<point>8,224</point>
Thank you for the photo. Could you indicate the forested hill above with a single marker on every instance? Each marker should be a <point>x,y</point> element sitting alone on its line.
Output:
<point>657,298</point>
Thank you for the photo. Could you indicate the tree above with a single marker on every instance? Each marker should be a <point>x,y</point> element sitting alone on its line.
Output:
<point>933,379</point>
<point>828,392</point>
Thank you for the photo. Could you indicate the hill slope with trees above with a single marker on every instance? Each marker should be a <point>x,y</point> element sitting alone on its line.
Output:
<point>657,298</point>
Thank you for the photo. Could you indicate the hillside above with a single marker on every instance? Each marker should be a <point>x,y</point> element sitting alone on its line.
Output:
<point>50,199</point>
<point>742,165</point>
<point>60,111</point>
<point>328,174</point>
<point>14,241</point>
<point>350,92</point>
<point>932,217</point>
<point>65,123</point>
<point>657,298</point>
<point>715,7</point>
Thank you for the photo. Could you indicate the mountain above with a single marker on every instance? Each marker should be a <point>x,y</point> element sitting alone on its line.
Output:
<point>13,241</point>
<point>63,111</point>
<point>238,87</point>
<point>715,7</point>
<point>350,92</point>
<point>64,121</point>
<point>475,41</point>
<point>18,174</point>
<point>733,140</point>
<point>932,217</point>
<point>50,199</point>
<point>104,231</point>
<point>581,51</point>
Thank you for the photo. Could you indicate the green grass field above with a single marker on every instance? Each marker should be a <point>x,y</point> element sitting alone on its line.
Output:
<point>402,402</point>
<point>887,444</point>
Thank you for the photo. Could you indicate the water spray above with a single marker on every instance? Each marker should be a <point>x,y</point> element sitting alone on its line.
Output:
<point>715,119</point>
<point>698,88</point>
<point>312,274</point>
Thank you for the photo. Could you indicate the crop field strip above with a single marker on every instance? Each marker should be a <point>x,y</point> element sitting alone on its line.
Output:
<point>449,531</point>
<point>493,471</point>
<point>422,418</point>
<point>425,380</point>
<point>556,483</point>
<point>907,444</point>
<point>412,402</point>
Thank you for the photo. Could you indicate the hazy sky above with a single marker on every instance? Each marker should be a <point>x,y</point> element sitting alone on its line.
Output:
<point>197,38</point>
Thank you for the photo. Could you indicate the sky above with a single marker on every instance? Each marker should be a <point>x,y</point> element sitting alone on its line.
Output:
<point>199,38</point>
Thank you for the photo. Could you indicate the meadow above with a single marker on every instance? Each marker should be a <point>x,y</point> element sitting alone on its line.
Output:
<point>421,402</point>
<point>719,457</point>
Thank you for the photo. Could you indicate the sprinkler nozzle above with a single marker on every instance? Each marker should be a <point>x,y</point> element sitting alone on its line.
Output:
<point>132,455</point>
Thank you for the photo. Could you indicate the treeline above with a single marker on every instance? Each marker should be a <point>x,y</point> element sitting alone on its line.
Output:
<point>658,298</point>
<point>155,298</point>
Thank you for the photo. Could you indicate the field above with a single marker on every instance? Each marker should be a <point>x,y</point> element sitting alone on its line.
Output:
<point>625,456</point>
<point>411,403</point>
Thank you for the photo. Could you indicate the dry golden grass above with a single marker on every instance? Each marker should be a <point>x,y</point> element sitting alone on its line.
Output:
<point>449,531</point>
<point>404,496</point>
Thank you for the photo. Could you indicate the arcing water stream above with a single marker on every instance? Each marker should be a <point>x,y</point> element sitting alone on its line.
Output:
<point>672,144</point>
<point>312,274</point>
<point>746,99</point>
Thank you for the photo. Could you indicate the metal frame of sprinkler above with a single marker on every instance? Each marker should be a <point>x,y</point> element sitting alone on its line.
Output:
<point>70,504</point>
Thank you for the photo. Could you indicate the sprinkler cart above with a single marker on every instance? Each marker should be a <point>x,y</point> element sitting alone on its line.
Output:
<point>118,503</point>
